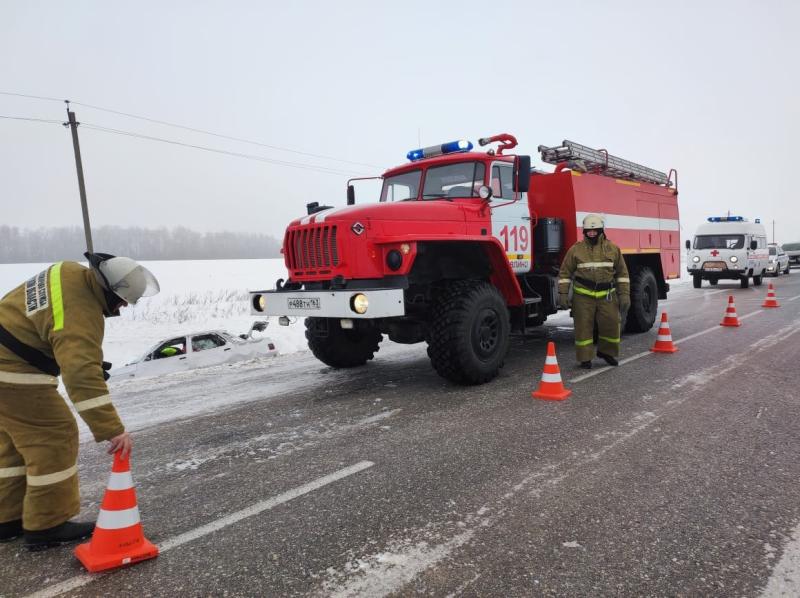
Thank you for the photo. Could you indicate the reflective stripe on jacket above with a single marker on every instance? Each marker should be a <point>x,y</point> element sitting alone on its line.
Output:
<point>601,264</point>
<point>60,313</point>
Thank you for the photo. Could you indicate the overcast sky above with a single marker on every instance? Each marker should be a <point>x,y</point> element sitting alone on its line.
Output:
<point>708,88</point>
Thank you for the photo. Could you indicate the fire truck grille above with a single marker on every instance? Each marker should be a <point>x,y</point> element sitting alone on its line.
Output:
<point>312,247</point>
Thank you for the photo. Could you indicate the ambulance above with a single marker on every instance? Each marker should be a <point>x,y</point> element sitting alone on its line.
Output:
<point>728,247</point>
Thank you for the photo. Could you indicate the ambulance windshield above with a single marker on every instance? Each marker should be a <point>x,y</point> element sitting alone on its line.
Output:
<point>719,242</point>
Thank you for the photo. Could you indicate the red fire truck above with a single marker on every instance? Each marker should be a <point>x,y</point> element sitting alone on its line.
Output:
<point>463,249</point>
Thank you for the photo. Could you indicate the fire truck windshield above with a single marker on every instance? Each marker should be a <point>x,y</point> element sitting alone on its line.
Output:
<point>402,186</point>
<point>453,180</point>
<point>719,242</point>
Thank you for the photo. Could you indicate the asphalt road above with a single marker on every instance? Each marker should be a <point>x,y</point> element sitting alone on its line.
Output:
<point>672,475</point>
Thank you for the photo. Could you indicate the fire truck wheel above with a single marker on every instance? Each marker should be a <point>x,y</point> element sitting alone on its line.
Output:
<point>644,301</point>
<point>340,348</point>
<point>469,332</point>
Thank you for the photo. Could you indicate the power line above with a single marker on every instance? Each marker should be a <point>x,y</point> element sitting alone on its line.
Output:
<point>299,165</point>
<point>264,159</point>
<point>38,120</point>
<point>193,129</point>
<point>25,95</point>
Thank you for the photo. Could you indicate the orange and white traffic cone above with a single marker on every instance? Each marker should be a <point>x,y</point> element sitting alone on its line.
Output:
<point>730,319</point>
<point>664,338</point>
<point>551,388</point>
<point>771,300</point>
<point>118,538</point>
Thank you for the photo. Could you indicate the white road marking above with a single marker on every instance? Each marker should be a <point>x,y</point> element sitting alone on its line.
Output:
<point>646,353</point>
<point>785,578</point>
<point>387,572</point>
<point>204,530</point>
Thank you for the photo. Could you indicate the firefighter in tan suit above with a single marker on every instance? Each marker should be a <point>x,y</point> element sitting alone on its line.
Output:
<point>53,324</point>
<point>600,291</point>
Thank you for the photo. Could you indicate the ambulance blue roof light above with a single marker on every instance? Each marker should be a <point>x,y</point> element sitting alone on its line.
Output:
<point>726,219</point>
<point>451,147</point>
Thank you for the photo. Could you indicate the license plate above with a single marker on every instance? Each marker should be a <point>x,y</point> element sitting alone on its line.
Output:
<point>713,269</point>
<point>302,303</point>
<point>714,266</point>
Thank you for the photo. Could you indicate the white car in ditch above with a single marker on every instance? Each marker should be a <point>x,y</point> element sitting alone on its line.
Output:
<point>198,350</point>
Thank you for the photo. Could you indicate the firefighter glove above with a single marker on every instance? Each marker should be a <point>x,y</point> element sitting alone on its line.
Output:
<point>563,301</point>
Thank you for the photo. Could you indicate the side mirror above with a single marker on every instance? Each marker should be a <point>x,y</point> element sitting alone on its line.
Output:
<point>753,245</point>
<point>688,244</point>
<point>522,174</point>
<point>351,195</point>
<point>485,192</point>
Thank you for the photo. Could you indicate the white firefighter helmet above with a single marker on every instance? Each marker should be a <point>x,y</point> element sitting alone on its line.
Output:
<point>593,222</point>
<point>124,277</point>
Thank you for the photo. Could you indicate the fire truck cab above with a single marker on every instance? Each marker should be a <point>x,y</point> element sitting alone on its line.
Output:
<point>462,249</point>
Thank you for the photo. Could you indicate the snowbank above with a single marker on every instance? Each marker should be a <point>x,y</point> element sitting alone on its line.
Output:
<point>195,295</point>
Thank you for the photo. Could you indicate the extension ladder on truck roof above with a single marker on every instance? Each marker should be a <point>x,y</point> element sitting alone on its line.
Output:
<point>599,161</point>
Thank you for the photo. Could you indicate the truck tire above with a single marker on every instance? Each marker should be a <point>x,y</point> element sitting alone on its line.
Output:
<point>469,332</point>
<point>644,300</point>
<point>341,348</point>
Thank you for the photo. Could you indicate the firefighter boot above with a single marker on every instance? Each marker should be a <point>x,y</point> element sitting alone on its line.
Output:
<point>10,530</point>
<point>586,365</point>
<point>609,359</point>
<point>69,531</point>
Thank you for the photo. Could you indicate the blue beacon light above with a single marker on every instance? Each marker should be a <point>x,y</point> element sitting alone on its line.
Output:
<point>461,145</point>
<point>726,219</point>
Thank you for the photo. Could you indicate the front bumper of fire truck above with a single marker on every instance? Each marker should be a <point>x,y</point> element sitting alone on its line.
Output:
<point>350,303</point>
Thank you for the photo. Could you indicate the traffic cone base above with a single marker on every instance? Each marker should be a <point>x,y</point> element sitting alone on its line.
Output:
<point>730,319</point>
<point>771,300</point>
<point>135,551</point>
<point>551,388</point>
<point>664,339</point>
<point>118,539</point>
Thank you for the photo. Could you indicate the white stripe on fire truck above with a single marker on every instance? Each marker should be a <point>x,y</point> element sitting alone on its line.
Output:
<point>320,216</point>
<point>632,222</point>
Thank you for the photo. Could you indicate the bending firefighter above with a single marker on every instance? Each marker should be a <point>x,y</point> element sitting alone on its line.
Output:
<point>600,292</point>
<point>53,325</point>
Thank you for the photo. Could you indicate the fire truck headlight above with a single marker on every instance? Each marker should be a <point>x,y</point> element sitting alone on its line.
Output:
<point>405,248</point>
<point>359,303</point>
<point>394,259</point>
<point>696,259</point>
<point>734,259</point>
<point>259,302</point>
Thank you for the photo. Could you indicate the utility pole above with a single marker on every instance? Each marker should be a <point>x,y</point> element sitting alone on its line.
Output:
<point>773,230</point>
<point>87,228</point>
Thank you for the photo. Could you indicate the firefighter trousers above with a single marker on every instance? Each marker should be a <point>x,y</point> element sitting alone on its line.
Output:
<point>38,457</point>
<point>585,312</point>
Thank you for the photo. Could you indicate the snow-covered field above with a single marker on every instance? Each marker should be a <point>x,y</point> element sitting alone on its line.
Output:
<point>195,296</point>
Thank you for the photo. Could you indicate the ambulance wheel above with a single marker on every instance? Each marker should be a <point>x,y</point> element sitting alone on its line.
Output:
<point>644,300</point>
<point>757,280</point>
<point>341,348</point>
<point>744,282</point>
<point>713,282</point>
<point>697,282</point>
<point>469,332</point>
<point>788,269</point>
